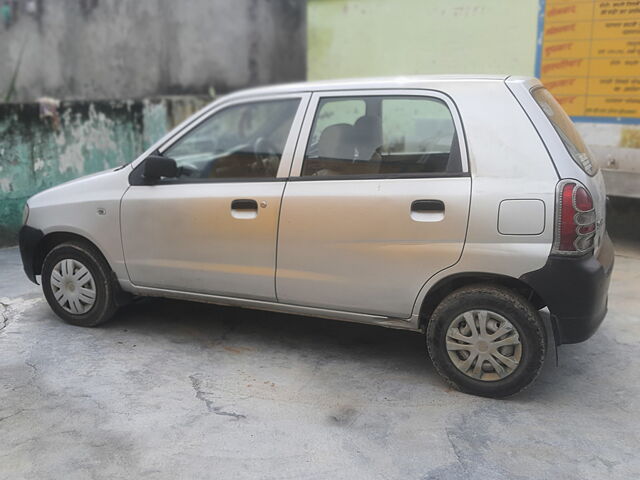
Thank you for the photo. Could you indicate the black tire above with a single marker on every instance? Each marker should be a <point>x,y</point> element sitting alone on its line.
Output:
<point>104,305</point>
<point>510,305</point>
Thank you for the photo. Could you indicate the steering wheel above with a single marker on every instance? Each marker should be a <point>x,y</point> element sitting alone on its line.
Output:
<point>267,157</point>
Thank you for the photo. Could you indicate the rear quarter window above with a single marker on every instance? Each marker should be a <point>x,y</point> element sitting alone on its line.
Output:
<point>566,130</point>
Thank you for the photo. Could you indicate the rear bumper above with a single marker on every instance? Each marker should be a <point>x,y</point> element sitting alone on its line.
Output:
<point>575,291</point>
<point>28,239</point>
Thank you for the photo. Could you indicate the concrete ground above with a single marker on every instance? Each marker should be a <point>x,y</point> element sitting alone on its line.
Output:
<point>172,390</point>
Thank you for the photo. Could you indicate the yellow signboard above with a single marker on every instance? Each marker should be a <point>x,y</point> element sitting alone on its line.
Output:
<point>589,57</point>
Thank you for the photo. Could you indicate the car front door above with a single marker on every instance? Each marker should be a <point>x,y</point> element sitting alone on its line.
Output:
<point>213,229</point>
<point>377,201</point>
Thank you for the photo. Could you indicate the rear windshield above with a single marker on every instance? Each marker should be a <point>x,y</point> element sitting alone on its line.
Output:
<point>565,128</point>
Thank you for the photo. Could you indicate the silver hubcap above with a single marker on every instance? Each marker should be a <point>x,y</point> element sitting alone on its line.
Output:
<point>484,345</point>
<point>73,286</point>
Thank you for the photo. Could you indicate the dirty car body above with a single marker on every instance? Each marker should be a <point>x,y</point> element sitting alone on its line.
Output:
<point>458,206</point>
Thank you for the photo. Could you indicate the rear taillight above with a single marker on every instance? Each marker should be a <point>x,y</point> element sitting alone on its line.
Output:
<point>575,219</point>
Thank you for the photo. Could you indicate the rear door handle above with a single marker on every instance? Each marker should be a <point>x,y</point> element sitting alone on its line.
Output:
<point>425,206</point>
<point>244,204</point>
<point>427,210</point>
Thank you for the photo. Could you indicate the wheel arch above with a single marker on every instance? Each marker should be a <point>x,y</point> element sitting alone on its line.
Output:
<point>53,239</point>
<point>445,286</point>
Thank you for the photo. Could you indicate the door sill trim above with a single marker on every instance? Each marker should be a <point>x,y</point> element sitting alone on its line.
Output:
<point>389,322</point>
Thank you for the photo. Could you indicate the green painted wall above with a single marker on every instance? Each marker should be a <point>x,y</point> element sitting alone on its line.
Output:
<point>357,38</point>
<point>38,151</point>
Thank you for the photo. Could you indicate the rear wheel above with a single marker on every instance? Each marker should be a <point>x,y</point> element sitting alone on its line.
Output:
<point>77,284</point>
<point>486,341</point>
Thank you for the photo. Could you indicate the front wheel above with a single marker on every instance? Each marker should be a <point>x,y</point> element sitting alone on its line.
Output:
<point>487,341</point>
<point>77,284</point>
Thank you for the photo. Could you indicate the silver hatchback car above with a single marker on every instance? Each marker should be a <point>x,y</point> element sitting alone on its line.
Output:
<point>456,206</point>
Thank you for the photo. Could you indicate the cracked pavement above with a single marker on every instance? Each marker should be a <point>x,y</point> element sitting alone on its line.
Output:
<point>172,389</point>
<point>4,316</point>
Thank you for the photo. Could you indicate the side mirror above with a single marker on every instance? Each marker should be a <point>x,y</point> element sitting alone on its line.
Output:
<point>156,167</point>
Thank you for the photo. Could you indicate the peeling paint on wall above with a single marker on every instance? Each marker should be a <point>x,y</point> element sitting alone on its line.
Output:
<point>5,185</point>
<point>80,136</point>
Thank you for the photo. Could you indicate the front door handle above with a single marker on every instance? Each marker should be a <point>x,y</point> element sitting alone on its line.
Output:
<point>244,204</point>
<point>244,209</point>
<point>423,206</point>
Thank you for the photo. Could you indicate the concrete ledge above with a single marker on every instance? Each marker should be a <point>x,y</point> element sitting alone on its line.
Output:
<point>622,183</point>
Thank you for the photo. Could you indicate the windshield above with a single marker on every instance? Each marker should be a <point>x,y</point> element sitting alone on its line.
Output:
<point>566,129</point>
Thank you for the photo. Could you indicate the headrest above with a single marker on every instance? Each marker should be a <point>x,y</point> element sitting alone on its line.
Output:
<point>367,125</point>
<point>336,141</point>
<point>367,135</point>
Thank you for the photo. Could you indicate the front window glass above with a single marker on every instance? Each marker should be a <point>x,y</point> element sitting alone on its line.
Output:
<point>382,136</point>
<point>565,128</point>
<point>241,141</point>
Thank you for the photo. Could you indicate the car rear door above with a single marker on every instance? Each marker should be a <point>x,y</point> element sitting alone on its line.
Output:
<point>213,229</point>
<point>377,201</point>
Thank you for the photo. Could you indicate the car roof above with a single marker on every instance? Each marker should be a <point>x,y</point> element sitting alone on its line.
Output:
<point>400,82</point>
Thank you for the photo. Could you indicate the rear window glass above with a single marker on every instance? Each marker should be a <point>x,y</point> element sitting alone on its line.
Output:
<point>566,129</point>
<point>338,111</point>
<point>382,136</point>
